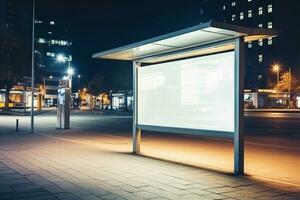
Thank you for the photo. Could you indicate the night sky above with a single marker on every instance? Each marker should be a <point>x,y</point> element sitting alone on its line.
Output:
<point>96,26</point>
<point>99,25</point>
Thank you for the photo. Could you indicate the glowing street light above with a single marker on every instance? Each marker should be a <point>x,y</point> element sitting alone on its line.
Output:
<point>70,72</point>
<point>61,58</point>
<point>276,68</point>
<point>78,81</point>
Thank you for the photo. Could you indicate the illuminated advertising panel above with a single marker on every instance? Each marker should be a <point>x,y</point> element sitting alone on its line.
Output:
<point>195,93</point>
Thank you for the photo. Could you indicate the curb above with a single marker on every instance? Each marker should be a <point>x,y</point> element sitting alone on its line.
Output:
<point>274,110</point>
<point>14,113</point>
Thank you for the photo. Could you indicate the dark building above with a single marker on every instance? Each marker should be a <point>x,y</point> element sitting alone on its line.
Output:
<point>51,43</point>
<point>262,55</point>
<point>16,22</point>
<point>15,17</point>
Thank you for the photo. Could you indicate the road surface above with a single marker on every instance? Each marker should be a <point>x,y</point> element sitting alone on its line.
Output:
<point>272,149</point>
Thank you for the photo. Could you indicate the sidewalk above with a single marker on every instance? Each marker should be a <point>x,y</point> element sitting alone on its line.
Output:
<point>68,165</point>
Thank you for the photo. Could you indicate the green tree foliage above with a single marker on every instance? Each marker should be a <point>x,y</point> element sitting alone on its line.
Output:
<point>14,55</point>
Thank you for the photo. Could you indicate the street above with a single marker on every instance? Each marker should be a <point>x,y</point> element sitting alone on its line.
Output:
<point>282,124</point>
<point>272,149</point>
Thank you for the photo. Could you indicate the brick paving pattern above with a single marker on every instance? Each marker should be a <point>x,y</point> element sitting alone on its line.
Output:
<point>43,167</point>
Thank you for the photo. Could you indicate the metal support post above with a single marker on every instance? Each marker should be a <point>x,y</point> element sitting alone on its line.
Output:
<point>239,106</point>
<point>290,79</point>
<point>17,125</point>
<point>32,68</point>
<point>136,132</point>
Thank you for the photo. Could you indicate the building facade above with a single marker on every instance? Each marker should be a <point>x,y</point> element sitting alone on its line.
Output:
<point>262,55</point>
<point>51,42</point>
<point>15,17</point>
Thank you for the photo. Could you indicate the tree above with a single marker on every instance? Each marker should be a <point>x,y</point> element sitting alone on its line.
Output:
<point>14,55</point>
<point>123,81</point>
<point>285,82</point>
<point>98,85</point>
<point>117,78</point>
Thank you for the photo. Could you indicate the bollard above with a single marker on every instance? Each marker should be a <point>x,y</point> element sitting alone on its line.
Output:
<point>17,125</point>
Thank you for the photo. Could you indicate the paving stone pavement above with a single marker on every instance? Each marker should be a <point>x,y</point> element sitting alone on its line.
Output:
<point>46,167</point>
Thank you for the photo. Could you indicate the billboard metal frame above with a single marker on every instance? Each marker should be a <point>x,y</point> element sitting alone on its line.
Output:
<point>237,135</point>
<point>233,39</point>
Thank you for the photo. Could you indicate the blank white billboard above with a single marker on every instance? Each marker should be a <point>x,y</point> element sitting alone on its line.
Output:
<point>196,93</point>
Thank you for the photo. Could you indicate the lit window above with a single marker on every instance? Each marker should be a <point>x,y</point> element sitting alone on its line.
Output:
<point>60,42</point>
<point>260,43</point>
<point>249,45</point>
<point>270,41</point>
<point>260,77</point>
<point>260,58</point>
<point>260,10</point>
<point>224,7</point>
<point>52,23</point>
<point>49,32</point>
<point>63,43</point>
<point>233,17</point>
<point>249,0</point>
<point>249,13</point>
<point>38,22</point>
<point>270,8</point>
<point>270,25</point>
<point>260,25</point>
<point>50,54</point>
<point>233,3</point>
<point>41,40</point>
<point>241,16</point>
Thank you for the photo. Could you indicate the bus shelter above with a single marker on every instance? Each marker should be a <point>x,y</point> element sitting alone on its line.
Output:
<point>191,81</point>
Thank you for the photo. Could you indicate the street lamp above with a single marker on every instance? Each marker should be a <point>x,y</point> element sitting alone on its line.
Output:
<point>70,71</point>
<point>276,69</point>
<point>290,77</point>
<point>61,58</point>
<point>32,68</point>
<point>78,81</point>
